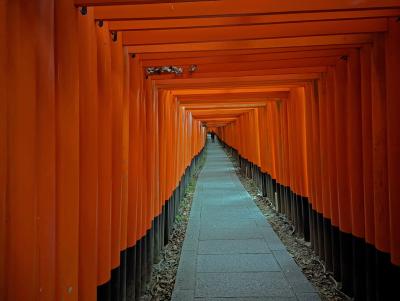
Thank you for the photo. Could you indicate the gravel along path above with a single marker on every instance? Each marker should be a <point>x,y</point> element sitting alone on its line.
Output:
<point>299,249</point>
<point>164,272</point>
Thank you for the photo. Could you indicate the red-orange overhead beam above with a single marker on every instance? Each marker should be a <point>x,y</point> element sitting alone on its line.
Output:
<point>233,58</point>
<point>227,90</point>
<point>217,117</point>
<point>237,52</point>
<point>243,32</point>
<point>218,123</point>
<point>223,106</point>
<point>216,114</point>
<point>232,7</point>
<point>204,103</point>
<point>241,76</point>
<point>128,2</point>
<point>234,96</point>
<point>122,25</point>
<point>218,106</point>
<point>228,86</point>
<point>264,65</point>
<point>220,113</point>
<point>254,44</point>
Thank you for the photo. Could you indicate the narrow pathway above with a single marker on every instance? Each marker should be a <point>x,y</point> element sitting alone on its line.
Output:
<point>230,250</point>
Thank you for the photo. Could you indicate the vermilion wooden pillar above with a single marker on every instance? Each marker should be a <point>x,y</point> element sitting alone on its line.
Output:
<point>105,159</point>
<point>117,82</point>
<point>263,149</point>
<point>3,147</point>
<point>289,126</point>
<point>125,177</point>
<point>132,206</point>
<point>324,159</point>
<point>368,187</point>
<point>343,176</point>
<point>318,226</point>
<point>46,160</point>
<point>312,206</point>
<point>333,188</point>
<point>393,134</point>
<point>380,171</point>
<point>282,152</point>
<point>89,160</point>
<point>285,145</point>
<point>155,158</point>
<point>141,182</point>
<point>67,150</point>
<point>287,136</point>
<point>311,203</point>
<point>141,163</point>
<point>151,152</point>
<point>295,152</point>
<point>161,125</point>
<point>393,139</point>
<point>303,177</point>
<point>355,170</point>
<point>133,192</point>
<point>22,268</point>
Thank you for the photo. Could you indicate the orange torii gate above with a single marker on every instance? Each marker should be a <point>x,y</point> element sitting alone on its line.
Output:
<point>95,155</point>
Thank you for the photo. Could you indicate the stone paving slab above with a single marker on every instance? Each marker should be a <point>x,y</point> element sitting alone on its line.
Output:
<point>233,246</point>
<point>258,284</point>
<point>230,250</point>
<point>228,233</point>
<point>249,299</point>
<point>230,263</point>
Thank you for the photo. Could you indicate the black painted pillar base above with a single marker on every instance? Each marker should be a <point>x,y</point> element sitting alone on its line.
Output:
<point>370,272</point>
<point>300,220</point>
<point>312,226</point>
<point>123,274</point>
<point>104,292</point>
<point>336,253</point>
<point>306,218</point>
<point>316,244</point>
<point>150,252</point>
<point>130,273</point>
<point>166,223</point>
<point>346,262</point>
<point>289,205</point>
<point>138,272</point>
<point>281,199</point>
<point>320,233</point>
<point>387,277</point>
<point>327,244</point>
<point>116,284</point>
<point>156,225</point>
<point>264,185</point>
<point>359,269</point>
<point>286,200</point>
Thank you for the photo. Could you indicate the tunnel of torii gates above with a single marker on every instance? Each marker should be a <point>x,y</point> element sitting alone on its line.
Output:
<point>95,153</point>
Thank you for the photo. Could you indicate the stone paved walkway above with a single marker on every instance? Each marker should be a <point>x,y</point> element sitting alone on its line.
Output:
<point>230,250</point>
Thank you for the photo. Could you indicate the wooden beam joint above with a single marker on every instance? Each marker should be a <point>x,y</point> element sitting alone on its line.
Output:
<point>83,10</point>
